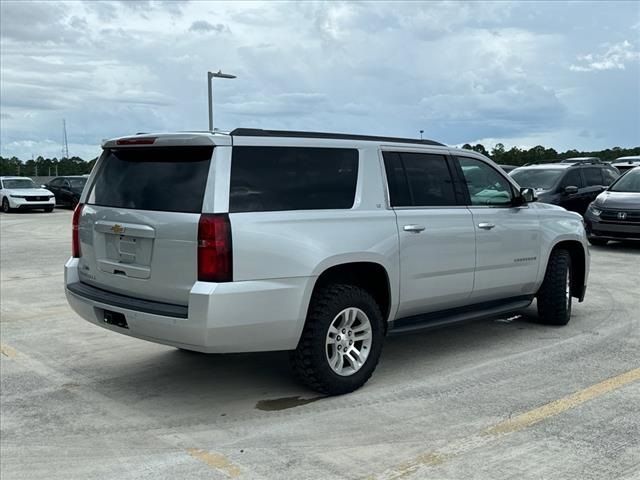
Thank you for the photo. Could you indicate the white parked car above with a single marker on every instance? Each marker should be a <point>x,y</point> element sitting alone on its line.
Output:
<point>21,193</point>
<point>625,164</point>
<point>316,243</point>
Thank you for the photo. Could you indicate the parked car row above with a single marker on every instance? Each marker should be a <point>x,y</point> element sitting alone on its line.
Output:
<point>571,185</point>
<point>22,193</point>
<point>609,201</point>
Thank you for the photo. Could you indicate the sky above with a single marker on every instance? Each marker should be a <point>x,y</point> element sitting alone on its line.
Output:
<point>562,75</point>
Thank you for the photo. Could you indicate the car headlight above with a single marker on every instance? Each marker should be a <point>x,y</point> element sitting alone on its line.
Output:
<point>17,196</point>
<point>595,211</point>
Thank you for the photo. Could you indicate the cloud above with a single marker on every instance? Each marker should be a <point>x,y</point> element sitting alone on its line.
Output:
<point>616,57</point>
<point>202,26</point>
<point>460,71</point>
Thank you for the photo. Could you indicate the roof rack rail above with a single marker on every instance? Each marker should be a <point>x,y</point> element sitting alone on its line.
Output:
<point>593,162</point>
<point>258,132</point>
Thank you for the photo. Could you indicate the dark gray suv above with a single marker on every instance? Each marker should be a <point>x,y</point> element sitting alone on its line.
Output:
<point>572,186</point>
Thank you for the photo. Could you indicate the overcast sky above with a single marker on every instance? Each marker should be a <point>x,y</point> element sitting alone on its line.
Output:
<point>564,75</point>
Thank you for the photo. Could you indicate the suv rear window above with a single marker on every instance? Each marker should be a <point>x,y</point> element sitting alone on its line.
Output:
<point>171,179</point>
<point>292,178</point>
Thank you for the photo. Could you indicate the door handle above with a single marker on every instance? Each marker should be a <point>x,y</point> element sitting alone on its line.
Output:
<point>413,228</point>
<point>486,226</point>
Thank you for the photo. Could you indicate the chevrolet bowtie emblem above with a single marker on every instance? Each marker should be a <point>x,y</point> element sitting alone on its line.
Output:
<point>117,229</point>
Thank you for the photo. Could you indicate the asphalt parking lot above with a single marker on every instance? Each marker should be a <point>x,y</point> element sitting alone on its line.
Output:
<point>499,399</point>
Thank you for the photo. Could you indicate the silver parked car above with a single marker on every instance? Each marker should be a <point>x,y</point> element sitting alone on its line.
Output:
<point>316,243</point>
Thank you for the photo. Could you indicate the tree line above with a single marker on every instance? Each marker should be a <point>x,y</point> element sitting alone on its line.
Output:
<point>41,166</point>
<point>539,154</point>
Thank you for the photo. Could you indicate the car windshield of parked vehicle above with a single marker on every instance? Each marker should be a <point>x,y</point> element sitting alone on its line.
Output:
<point>77,183</point>
<point>536,178</point>
<point>629,182</point>
<point>19,183</point>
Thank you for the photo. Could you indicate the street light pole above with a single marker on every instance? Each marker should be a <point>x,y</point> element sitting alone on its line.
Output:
<point>210,77</point>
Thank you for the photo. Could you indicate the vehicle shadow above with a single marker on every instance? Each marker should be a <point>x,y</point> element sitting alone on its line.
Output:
<point>171,385</point>
<point>624,247</point>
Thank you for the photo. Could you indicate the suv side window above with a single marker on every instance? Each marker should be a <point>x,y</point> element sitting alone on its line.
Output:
<point>572,179</point>
<point>592,176</point>
<point>608,175</point>
<point>419,180</point>
<point>485,185</point>
<point>56,182</point>
<point>272,179</point>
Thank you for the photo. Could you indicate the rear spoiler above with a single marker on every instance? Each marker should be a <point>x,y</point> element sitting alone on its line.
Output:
<point>167,140</point>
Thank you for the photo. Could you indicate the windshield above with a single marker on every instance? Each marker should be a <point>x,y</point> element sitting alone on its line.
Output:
<point>77,182</point>
<point>629,182</point>
<point>536,178</point>
<point>18,183</point>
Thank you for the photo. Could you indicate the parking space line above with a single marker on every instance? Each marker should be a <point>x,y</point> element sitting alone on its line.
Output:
<point>558,406</point>
<point>515,424</point>
<point>7,351</point>
<point>215,460</point>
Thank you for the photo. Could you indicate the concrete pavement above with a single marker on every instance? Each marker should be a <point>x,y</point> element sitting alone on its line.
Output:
<point>498,399</point>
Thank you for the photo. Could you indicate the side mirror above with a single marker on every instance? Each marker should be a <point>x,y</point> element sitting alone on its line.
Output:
<point>528,195</point>
<point>43,186</point>
<point>570,190</point>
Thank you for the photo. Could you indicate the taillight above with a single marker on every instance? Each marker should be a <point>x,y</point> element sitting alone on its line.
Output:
<point>75,233</point>
<point>214,248</point>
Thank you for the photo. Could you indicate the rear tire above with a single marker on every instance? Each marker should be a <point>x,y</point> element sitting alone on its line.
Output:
<point>554,296</point>
<point>342,318</point>
<point>5,206</point>
<point>598,242</point>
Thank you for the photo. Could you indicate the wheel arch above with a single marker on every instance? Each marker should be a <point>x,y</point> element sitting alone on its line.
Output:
<point>371,276</point>
<point>578,256</point>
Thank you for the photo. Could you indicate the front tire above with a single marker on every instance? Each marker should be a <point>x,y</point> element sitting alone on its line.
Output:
<point>48,209</point>
<point>554,296</point>
<point>341,342</point>
<point>6,208</point>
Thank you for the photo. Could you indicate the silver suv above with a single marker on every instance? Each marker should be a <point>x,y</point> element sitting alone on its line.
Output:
<point>316,243</point>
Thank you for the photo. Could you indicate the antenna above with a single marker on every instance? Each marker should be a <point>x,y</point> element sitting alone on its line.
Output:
<point>65,150</point>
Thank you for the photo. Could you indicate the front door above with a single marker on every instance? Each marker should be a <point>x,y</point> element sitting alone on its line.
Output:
<point>507,236</point>
<point>437,237</point>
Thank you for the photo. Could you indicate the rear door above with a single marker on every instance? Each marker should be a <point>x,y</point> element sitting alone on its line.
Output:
<point>437,237</point>
<point>139,224</point>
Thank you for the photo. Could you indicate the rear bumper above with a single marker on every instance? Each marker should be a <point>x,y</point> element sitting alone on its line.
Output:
<point>220,318</point>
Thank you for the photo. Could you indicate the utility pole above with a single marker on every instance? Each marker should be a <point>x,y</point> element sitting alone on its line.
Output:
<point>65,151</point>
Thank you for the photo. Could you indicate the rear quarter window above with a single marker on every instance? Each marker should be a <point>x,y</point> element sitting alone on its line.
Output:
<point>171,179</point>
<point>292,178</point>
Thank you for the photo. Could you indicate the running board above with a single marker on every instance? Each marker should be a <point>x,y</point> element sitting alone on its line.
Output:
<point>479,311</point>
